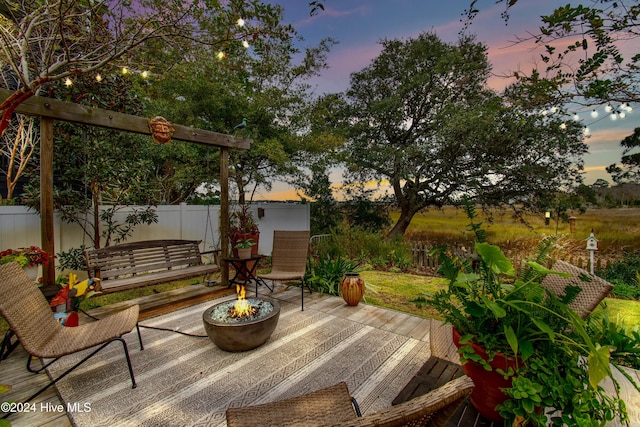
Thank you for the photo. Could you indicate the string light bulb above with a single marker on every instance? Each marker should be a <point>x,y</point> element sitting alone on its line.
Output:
<point>145,74</point>
<point>68,82</point>
<point>125,71</point>
<point>608,108</point>
<point>98,78</point>
<point>576,117</point>
<point>586,130</point>
<point>245,44</point>
<point>240,22</point>
<point>563,126</point>
<point>622,114</point>
<point>614,117</point>
<point>220,55</point>
<point>594,114</point>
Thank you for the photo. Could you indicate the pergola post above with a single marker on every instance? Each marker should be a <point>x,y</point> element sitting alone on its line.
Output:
<point>46,205</point>
<point>224,213</point>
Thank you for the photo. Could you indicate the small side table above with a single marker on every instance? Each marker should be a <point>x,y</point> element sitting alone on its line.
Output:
<point>246,271</point>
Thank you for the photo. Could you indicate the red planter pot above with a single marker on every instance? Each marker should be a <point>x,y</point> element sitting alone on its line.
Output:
<point>487,393</point>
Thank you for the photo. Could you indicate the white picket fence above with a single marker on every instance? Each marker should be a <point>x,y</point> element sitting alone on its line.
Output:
<point>20,226</point>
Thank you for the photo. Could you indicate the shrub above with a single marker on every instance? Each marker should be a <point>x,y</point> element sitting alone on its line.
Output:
<point>367,248</point>
<point>324,274</point>
<point>624,275</point>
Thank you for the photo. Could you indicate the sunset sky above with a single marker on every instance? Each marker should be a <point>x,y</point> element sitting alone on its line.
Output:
<point>359,25</point>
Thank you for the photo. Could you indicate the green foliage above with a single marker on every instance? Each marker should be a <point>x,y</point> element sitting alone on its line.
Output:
<point>245,243</point>
<point>363,213</point>
<point>324,274</point>
<point>591,65</point>
<point>410,121</point>
<point>367,248</point>
<point>624,344</point>
<point>83,181</point>
<point>72,259</point>
<point>488,305</point>
<point>20,259</point>
<point>624,274</point>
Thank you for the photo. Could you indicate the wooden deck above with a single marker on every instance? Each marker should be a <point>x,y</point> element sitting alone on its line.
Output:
<point>438,368</point>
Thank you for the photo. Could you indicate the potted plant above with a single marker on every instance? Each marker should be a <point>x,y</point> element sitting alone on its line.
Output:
<point>29,258</point>
<point>243,227</point>
<point>244,248</point>
<point>510,327</point>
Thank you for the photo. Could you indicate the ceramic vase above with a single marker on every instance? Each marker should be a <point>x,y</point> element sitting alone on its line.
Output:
<point>352,288</point>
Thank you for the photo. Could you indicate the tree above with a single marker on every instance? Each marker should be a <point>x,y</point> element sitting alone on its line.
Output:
<point>18,146</point>
<point>420,117</point>
<point>261,86</point>
<point>586,51</point>
<point>629,171</point>
<point>99,171</point>
<point>600,183</point>
<point>53,40</point>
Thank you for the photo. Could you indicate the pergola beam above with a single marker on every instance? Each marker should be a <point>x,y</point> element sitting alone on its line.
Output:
<point>71,112</point>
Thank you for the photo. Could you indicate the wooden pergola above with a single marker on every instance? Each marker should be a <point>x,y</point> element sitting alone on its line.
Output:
<point>51,109</point>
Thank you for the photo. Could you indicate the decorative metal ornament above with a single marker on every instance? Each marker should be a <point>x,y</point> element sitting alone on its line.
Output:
<point>161,129</point>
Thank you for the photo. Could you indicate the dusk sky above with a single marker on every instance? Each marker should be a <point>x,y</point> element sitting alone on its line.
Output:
<point>359,25</point>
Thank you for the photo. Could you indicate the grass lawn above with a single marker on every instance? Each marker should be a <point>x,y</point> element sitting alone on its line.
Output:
<point>395,290</point>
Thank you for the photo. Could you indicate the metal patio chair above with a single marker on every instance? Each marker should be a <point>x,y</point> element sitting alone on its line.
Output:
<point>289,258</point>
<point>334,406</point>
<point>31,319</point>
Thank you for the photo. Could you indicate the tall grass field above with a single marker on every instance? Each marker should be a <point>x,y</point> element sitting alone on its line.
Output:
<point>617,230</point>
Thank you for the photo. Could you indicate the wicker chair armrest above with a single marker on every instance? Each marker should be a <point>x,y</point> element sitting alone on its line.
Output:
<point>431,409</point>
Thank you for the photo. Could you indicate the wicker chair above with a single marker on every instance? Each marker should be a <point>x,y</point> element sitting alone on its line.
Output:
<point>30,318</point>
<point>333,406</point>
<point>289,258</point>
<point>594,289</point>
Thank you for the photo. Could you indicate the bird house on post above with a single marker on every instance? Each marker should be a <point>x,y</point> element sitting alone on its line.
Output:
<point>592,246</point>
<point>592,242</point>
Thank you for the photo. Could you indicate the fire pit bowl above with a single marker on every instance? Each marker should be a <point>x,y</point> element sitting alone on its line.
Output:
<point>231,334</point>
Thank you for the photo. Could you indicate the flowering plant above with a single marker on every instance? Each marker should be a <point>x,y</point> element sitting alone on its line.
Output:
<point>242,222</point>
<point>30,256</point>
<point>74,292</point>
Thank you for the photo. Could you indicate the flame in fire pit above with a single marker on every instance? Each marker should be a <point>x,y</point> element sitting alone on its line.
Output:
<point>242,308</point>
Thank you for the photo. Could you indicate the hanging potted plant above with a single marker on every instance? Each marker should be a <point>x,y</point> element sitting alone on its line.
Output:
<point>523,347</point>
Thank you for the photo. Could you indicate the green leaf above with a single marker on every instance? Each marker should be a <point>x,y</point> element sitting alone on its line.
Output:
<point>512,339</point>
<point>544,328</point>
<point>598,362</point>
<point>492,255</point>
<point>498,311</point>
<point>466,278</point>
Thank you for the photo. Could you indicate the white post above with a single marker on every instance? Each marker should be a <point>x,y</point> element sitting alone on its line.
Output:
<point>592,246</point>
